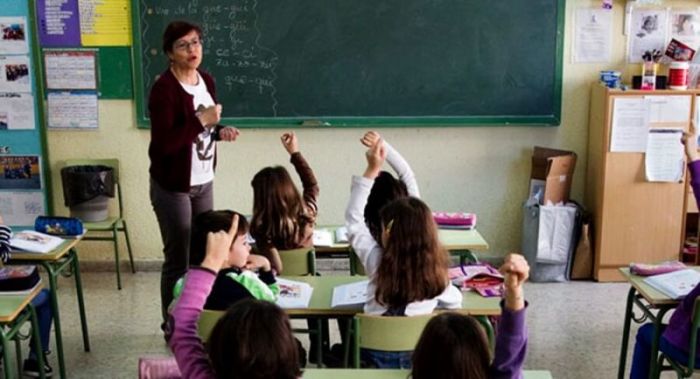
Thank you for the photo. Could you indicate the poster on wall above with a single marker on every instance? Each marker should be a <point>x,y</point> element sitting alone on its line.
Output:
<point>20,172</point>
<point>105,23</point>
<point>73,109</point>
<point>58,23</point>
<point>14,74</point>
<point>13,35</point>
<point>16,111</point>
<point>21,208</point>
<point>685,26</point>
<point>647,32</point>
<point>70,69</point>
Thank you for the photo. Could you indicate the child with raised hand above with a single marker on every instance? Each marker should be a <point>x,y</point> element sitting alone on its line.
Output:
<point>237,278</point>
<point>387,188</point>
<point>252,340</point>
<point>455,346</point>
<point>408,271</point>
<point>675,339</point>
<point>282,218</point>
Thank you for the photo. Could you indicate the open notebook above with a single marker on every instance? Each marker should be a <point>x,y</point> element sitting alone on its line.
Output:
<point>352,295</point>
<point>35,242</point>
<point>293,294</point>
<point>675,284</point>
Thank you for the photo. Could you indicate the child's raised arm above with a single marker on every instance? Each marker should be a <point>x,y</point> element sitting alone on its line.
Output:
<point>376,155</point>
<point>396,161</point>
<point>516,271</point>
<point>290,143</point>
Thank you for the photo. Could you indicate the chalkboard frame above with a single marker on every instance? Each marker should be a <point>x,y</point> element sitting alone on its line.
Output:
<point>553,119</point>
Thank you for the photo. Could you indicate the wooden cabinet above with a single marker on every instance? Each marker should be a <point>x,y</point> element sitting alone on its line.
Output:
<point>633,220</point>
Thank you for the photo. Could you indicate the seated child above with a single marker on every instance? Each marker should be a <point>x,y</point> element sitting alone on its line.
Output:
<point>43,311</point>
<point>455,346</point>
<point>408,271</point>
<point>675,338</point>
<point>252,340</point>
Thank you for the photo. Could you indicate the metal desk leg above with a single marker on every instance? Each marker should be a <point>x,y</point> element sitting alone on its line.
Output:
<point>37,342</point>
<point>484,321</point>
<point>626,333</point>
<point>655,343</point>
<point>73,256</point>
<point>53,285</point>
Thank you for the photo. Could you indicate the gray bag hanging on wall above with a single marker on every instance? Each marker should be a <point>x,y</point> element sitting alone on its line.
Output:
<point>549,239</point>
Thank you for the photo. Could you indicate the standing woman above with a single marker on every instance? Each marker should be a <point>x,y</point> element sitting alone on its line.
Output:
<point>184,129</point>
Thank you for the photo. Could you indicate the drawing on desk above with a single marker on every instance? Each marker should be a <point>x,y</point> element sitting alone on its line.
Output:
<point>293,294</point>
<point>351,295</point>
<point>675,284</point>
<point>35,242</point>
<point>322,237</point>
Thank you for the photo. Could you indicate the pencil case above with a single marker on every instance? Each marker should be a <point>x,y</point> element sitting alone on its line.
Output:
<point>62,226</point>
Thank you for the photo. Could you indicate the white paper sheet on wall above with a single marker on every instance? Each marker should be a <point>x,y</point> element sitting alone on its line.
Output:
<point>664,157</point>
<point>593,35</point>
<point>21,208</point>
<point>13,35</point>
<point>629,126</point>
<point>15,73</point>
<point>76,109</point>
<point>16,111</point>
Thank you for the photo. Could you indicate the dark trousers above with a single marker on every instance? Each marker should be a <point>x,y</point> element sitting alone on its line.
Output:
<point>45,317</point>
<point>175,211</point>
<point>642,351</point>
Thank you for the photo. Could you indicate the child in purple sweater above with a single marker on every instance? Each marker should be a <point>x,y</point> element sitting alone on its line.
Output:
<point>676,335</point>
<point>252,340</point>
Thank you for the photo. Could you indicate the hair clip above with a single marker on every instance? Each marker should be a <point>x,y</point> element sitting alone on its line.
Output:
<point>387,229</point>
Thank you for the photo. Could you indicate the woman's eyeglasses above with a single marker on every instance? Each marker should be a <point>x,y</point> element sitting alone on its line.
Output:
<point>184,45</point>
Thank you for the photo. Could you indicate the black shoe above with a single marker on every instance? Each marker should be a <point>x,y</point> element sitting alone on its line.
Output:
<point>31,368</point>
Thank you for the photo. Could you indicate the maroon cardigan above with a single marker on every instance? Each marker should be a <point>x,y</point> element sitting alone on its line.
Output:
<point>174,128</point>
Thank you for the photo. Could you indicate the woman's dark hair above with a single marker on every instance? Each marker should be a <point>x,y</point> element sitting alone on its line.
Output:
<point>414,264</point>
<point>176,30</point>
<point>452,346</point>
<point>253,340</point>
<point>386,188</point>
<point>211,221</point>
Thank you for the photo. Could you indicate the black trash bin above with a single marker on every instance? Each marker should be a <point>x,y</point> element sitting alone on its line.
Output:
<point>86,191</point>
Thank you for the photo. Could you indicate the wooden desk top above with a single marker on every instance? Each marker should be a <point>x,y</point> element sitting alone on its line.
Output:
<point>12,305</point>
<point>452,239</point>
<point>320,304</point>
<point>389,374</point>
<point>651,295</point>
<point>54,255</point>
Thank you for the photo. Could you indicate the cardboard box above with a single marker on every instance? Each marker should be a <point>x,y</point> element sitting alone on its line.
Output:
<point>552,174</point>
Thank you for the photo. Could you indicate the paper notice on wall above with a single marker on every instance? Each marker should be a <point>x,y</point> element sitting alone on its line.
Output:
<point>13,35</point>
<point>647,32</point>
<point>105,22</point>
<point>74,109</point>
<point>14,74</point>
<point>58,23</point>
<point>630,126</point>
<point>685,26</point>
<point>668,109</point>
<point>16,111</point>
<point>21,208</point>
<point>70,69</point>
<point>664,157</point>
<point>593,35</point>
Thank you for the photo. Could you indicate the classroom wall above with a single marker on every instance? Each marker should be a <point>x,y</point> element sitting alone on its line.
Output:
<point>477,169</point>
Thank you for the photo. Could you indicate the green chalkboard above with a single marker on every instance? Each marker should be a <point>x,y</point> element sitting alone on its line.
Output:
<point>115,73</point>
<point>354,62</point>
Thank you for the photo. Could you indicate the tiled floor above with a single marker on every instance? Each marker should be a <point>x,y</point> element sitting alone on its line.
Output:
<point>574,328</point>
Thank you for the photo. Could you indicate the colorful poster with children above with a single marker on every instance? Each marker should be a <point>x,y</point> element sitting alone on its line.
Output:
<point>13,35</point>
<point>20,172</point>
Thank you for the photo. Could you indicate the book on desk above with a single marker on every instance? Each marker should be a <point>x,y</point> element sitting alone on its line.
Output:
<point>352,295</point>
<point>293,294</point>
<point>35,242</point>
<point>675,285</point>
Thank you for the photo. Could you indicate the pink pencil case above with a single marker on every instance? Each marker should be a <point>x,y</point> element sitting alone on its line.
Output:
<point>454,218</point>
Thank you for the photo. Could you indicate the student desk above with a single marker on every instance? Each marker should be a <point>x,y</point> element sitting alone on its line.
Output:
<point>311,373</point>
<point>15,310</point>
<point>61,260</point>
<point>458,242</point>
<point>653,305</point>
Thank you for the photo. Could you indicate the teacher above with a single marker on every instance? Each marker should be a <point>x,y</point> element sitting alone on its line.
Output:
<point>184,129</point>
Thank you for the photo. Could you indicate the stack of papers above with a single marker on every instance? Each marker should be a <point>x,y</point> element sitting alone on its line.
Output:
<point>322,237</point>
<point>35,242</point>
<point>675,284</point>
<point>293,294</point>
<point>341,235</point>
<point>353,295</point>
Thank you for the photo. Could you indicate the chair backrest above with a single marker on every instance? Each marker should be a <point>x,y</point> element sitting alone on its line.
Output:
<point>389,333</point>
<point>207,321</point>
<point>109,162</point>
<point>298,262</point>
<point>158,367</point>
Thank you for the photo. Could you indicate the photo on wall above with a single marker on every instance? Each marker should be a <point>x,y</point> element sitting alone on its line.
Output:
<point>13,35</point>
<point>20,172</point>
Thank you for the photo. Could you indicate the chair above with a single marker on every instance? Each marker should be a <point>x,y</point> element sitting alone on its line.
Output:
<point>380,333</point>
<point>356,267</point>
<point>684,369</point>
<point>113,224</point>
<point>298,262</point>
<point>207,321</point>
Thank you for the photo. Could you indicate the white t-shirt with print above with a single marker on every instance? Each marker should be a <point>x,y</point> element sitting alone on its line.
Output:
<point>204,147</point>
